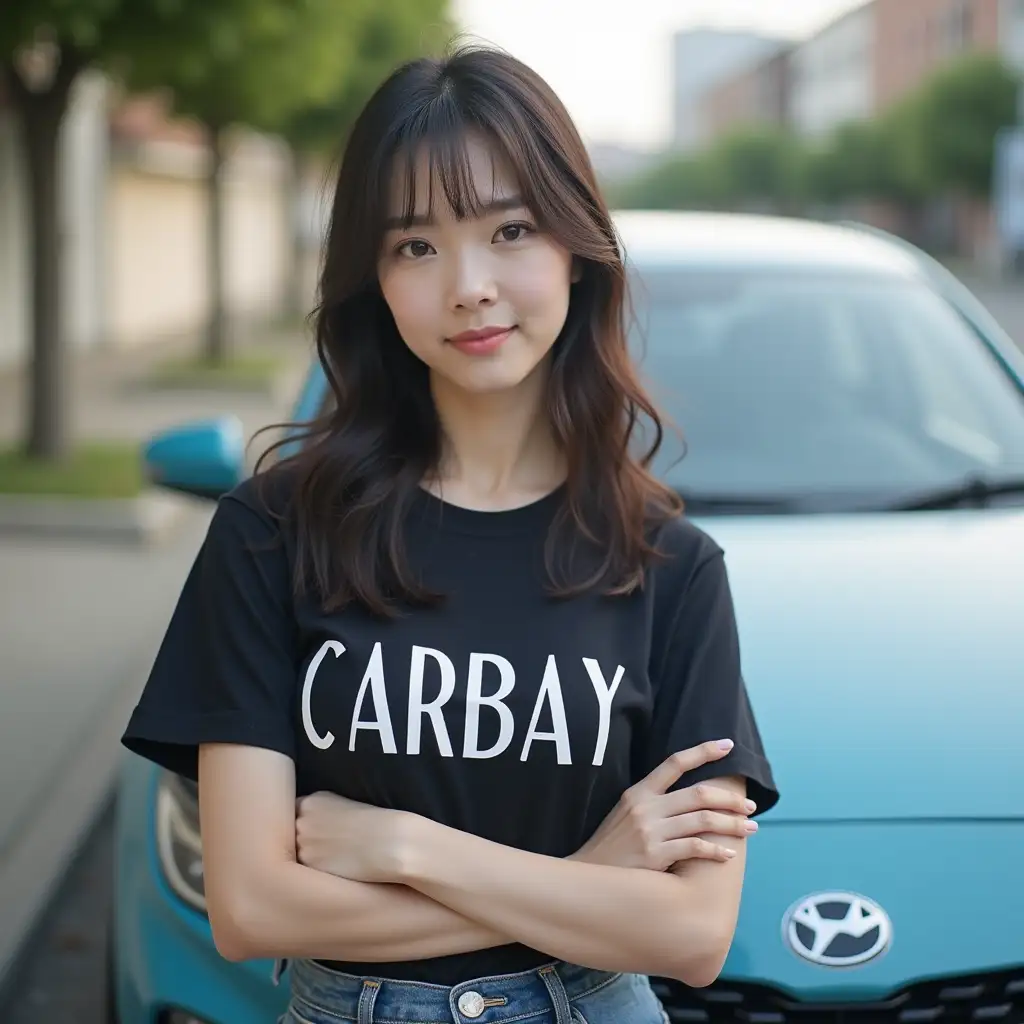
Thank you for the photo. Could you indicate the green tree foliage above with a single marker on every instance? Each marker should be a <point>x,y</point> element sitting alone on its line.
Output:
<point>381,37</point>
<point>937,140</point>
<point>959,114</point>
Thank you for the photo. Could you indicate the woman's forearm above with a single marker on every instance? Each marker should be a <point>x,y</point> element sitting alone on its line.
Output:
<point>293,911</point>
<point>607,918</point>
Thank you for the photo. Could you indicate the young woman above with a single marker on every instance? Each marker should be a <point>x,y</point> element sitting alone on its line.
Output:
<point>463,625</point>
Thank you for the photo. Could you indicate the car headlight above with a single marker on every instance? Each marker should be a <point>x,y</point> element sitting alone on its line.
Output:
<point>177,838</point>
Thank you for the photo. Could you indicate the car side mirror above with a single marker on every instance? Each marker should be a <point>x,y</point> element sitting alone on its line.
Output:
<point>205,459</point>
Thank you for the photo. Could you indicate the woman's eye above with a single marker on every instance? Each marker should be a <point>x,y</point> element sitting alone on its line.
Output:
<point>514,232</point>
<point>414,249</point>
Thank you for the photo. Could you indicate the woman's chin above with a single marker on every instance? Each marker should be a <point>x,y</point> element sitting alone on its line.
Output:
<point>485,378</point>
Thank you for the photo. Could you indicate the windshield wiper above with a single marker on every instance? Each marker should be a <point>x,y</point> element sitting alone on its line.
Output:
<point>739,504</point>
<point>975,491</point>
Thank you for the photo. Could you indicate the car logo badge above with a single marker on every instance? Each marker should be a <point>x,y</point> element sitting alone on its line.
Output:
<point>837,929</point>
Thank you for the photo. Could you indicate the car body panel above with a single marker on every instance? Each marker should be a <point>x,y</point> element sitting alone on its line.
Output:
<point>856,694</point>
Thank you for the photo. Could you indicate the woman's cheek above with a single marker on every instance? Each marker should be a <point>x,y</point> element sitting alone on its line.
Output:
<point>542,286</point>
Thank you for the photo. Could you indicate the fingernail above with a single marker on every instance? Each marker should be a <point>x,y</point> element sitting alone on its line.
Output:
<point>725,744</point>
<point>750,806</point>
<point>750,826</point>
<point>728,852</point>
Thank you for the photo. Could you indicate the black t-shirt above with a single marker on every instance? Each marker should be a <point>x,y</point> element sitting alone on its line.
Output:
<point>503,712</point>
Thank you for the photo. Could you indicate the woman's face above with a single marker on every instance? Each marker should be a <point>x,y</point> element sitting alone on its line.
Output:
<point>482,300</point>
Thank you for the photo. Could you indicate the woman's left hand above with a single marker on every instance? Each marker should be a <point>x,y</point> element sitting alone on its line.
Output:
<point>349,839</point>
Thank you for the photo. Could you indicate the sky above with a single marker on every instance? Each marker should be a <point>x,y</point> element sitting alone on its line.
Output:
<point>610,60</point>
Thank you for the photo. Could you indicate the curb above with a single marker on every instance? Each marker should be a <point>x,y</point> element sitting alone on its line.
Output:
<point>151,518</point>
<point>35,862</point>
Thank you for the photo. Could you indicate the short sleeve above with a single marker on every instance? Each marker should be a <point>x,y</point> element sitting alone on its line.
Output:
<point>700,693</point>
<point>225,670</point>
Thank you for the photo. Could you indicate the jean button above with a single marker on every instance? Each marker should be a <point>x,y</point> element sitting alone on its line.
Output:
<point>471,1004</point>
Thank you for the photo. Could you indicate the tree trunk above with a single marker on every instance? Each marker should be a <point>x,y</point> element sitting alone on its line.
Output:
<point>216,330</point>
<point>40,115</point>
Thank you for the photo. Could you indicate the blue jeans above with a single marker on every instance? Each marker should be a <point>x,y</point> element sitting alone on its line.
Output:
<point>554,994</point>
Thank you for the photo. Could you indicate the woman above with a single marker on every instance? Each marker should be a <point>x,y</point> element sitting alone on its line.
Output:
<point>463,624</point>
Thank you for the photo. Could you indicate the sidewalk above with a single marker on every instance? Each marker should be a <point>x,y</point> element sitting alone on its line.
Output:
<point>79,625</point>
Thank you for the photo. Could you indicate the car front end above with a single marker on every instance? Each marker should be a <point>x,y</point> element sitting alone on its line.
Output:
<point>883,653</point>
<point>855,433</point>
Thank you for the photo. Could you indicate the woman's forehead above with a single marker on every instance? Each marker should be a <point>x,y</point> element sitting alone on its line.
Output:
<point>454,180</point>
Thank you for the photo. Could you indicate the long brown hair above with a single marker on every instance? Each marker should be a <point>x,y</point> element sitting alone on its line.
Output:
<point>359,470</point>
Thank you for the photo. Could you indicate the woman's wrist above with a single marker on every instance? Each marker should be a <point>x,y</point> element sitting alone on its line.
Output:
<point>406,846</point>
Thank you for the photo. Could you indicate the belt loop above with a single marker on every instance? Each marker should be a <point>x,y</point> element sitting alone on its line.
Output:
<point>371,989</point>
<point>560,1001</point>
<point>280,966</point>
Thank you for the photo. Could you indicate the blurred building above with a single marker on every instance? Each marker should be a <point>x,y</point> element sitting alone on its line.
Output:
<point>702,59</point>
<point>759,95</point>
<point>916,37</point>
<point>833,76</point>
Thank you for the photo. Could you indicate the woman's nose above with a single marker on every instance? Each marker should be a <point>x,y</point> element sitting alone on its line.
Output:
<point>473,280</point>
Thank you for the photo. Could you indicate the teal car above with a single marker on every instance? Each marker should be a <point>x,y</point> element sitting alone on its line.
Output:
<point>853,427</point>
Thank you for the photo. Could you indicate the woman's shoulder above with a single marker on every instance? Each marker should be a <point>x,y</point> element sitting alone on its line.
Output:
<point>682,542</point>
<point>683,550</point>
<point>262,503</point>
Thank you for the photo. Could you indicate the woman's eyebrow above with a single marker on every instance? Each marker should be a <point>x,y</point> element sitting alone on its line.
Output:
<point>423,220</point>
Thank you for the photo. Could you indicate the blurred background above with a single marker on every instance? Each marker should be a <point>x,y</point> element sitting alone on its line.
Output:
<point>164,166</point>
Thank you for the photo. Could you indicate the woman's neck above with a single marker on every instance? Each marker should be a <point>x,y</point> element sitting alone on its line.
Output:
<point>499,449</point>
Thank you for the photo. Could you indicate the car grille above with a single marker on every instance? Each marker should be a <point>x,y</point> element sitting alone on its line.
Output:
<point>979,998</point>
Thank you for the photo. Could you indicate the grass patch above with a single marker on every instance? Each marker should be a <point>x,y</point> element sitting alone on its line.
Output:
<point>241,371</point>
<point>98,470</point>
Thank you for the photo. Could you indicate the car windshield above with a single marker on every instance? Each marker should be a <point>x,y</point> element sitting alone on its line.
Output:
<point>821,391</point>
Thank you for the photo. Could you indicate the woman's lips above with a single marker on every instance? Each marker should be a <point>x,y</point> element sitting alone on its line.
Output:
<point>481,342</point>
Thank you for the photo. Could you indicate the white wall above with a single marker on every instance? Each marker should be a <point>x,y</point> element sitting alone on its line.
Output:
<point>86,153</point>
<point>84,157</point>
<point>833,75</point>
<point>157,238</point>
<point>14,299</point>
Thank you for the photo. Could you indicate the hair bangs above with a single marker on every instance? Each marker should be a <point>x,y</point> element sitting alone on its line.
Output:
<point>436,142</point>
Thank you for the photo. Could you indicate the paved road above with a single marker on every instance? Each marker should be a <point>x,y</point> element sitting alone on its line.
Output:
<point>60,981</point>
<point>62,977</point>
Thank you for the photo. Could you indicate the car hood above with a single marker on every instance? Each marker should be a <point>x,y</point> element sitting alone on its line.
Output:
<point>884,654</point>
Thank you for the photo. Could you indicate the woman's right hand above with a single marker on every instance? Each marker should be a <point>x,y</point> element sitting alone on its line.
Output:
<point>654,829</point>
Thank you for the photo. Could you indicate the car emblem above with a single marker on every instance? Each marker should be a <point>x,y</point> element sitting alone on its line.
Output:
<point>837,929</point>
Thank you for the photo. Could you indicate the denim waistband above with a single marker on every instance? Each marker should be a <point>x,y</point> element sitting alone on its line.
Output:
<point>491,1000</point>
